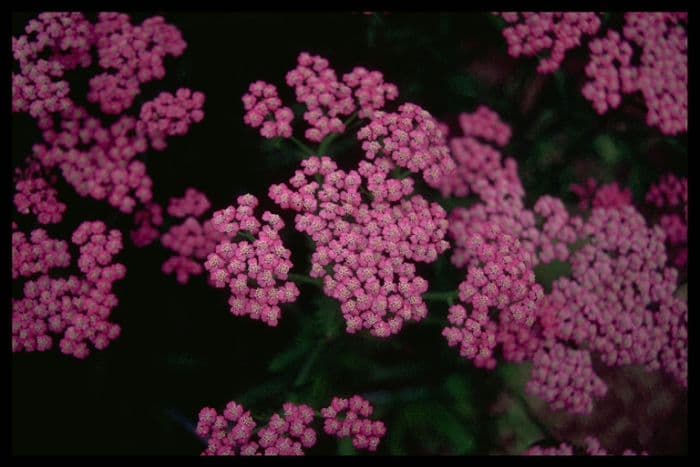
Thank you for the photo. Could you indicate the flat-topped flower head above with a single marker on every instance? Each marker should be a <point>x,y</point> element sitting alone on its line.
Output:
<point>411,138</point>
<point>252,261</point>
<point>74,308</point>
<point>532,33</point>
<point>369,229</point>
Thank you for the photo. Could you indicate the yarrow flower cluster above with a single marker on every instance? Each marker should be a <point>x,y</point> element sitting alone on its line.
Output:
<point>648,55</point>
<point>36,196</point>
<point>252,261</point>
<point>345,418</point>
<point>77,308</point>
<point>231,433</point>
<point>131,56</point>
<point>661,76</point>
<point>364,250</point>
<point>412,139</point>
<point>192,240</point>
<point>564,378</point>
<point>620,301</point>
<point>502,280</point>
<point>326,98</point>
<point>262,102</point>
<point>531,33</point>
<point>591,195</point>
<point>170,115</point>
<point>97,160</point>
<point>592,448</point>
<point>670,197</point>
<point>618,304</point>
<point>287,434</point>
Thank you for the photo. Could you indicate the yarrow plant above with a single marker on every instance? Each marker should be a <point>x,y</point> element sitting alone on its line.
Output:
<point>289,433</point>
<point>380,192</point>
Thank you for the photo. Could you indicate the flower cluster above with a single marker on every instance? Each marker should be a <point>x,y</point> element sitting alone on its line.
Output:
<point>98,160</point>
<point>530,33</point>
<point>169,115</point>
<point>231,433</point>
<point>131,56</point>
<point>412,138</point>
<point>481,171</point>
<point>648,55</point>
<point>262,102</point>
<point>77,308</point>
<point>502,280</point>
<point>36,196</point>
<point>53,44</point>
<point>38,254</point>
<point>364,250</point>
<point>593,448</point>
<point>192,240</point>
<point>355,422</point>
<point>670,196</point>
<point>194,203</point>
<point>564,378</point>
<point>371,91</point>
<point>288,434</point>
<point>252,261</point>
<point>611,195</point>
<point>326,98</point>
<point>479,167</point>
<point>620,299</point>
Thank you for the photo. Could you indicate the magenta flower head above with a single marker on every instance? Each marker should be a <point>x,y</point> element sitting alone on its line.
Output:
<point>500,281</point>
<point>76,308</point>
<point>620,300</point>
<point>327,99</point>
<point>264,110</point>
<point>532,33</point>
<point>663,83</point>
<point>365,249</point>
<point>480,168</point>
<point>252,261</point>
<point>192,240</point>
<point>605,196</point>
<point>670,197</point>
<point>412,139</point>
<point>350,418</point>
<point>231,433</point>
<point>97,159</point>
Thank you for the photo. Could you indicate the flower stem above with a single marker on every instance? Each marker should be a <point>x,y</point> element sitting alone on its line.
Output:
<point>311,359</point>
<point>303,147</point>
<point>303,279</point>
<point>448,297</point>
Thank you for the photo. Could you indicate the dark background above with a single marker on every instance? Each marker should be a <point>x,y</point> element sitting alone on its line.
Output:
<point>181,350</point>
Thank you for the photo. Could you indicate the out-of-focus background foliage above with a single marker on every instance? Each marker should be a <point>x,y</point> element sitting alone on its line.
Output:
<point>180,348</point>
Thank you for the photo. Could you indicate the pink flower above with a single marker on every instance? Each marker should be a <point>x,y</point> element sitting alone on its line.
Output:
<point>252,261</point>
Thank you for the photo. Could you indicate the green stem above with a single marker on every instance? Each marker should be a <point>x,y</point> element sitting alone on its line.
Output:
<point>448,297</point>
<point>246,235</point>
<point>303,147</point>
<point>304,372</point>
<point>303,279</point>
